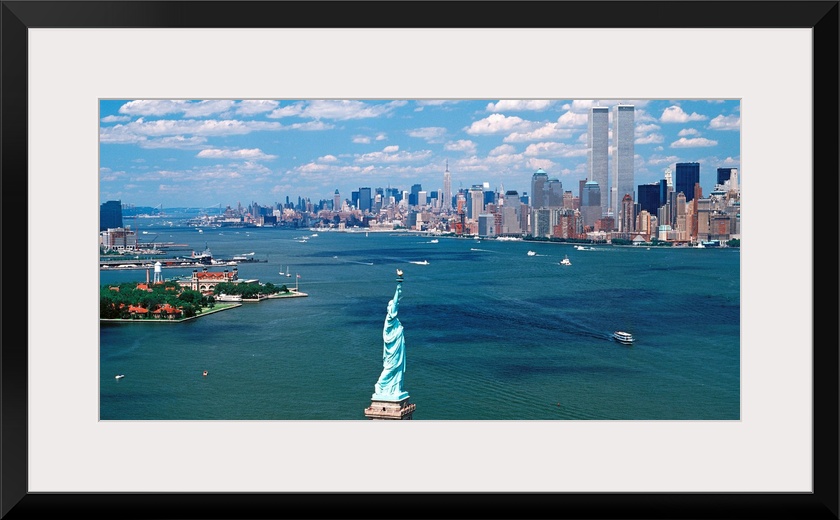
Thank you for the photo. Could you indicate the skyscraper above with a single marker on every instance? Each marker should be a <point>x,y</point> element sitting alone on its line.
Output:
<point>365,198</point>
<point>623,153</point>
<point>553,193</point>
<point>590,203</point>
<point>110,215</point>
<point>687,175</point>
<point>446,203</point>
<point>599,145</point>
<point>538,198</point>
<point>730,175</point>
<point>336,201</point>
<point>649,197</point>
<point>476,201</point>
<point>412,197</point>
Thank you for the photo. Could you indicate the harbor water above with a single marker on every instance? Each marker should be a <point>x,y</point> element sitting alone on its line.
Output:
<point>492,333</point>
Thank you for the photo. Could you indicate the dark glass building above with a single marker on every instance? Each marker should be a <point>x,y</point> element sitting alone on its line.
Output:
<point>413,194</point>
<point>688,174</point>
<point>110,215</point>
<point>723,174</point>
<point>365,197</point>
<point>649,197</point>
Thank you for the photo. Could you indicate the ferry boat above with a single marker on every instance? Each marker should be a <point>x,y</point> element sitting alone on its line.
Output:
<point>229,297</point>
<point>623,337</point>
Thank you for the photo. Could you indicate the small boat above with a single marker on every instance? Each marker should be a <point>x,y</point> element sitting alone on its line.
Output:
<point>532,253</point>
<point>119,376</point>
<point>565,261</point>
<point>422,262</point>
<point>205,373</point>
<point>288,275</point>
<point>623,337</point>
<point>433,241</point>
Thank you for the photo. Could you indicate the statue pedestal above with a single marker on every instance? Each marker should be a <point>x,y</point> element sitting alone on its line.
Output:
<point>390,410</point>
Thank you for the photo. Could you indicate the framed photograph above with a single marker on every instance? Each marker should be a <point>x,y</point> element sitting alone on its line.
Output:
<point>73,72</point>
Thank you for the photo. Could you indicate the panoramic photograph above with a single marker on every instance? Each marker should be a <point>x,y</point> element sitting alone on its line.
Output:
<point>419,259</point>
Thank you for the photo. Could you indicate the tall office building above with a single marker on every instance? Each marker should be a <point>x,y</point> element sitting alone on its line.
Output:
<point>476,201</point>
<point>486,225</point>
<point>627,211</point>
<point>623,154</point>
<point>728,175</point>
<point>590,203</point>
<point>553,193</point>
<point>538,180</point>
<point>723,175</point>
<point>336,201</point>
<point>649,197</point>
<point>412,197</point>
<point>599,146</point>
<point>687,175</point>
<point>511,213</point>
<point>365,198</point>
<point>110,215</point>
<point>447,189</point>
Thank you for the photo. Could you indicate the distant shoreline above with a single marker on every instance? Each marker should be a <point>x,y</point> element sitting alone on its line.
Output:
<point>219,307</point>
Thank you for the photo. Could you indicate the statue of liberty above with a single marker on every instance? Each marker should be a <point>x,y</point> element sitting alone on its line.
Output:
<point>389,387</point>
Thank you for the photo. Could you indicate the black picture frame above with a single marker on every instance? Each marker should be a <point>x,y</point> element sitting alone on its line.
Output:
<point>19,16</point>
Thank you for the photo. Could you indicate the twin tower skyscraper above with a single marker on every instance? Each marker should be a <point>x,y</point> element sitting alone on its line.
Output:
<point>613,187</point>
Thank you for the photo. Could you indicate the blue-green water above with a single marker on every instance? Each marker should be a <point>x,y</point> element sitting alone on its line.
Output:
<point>491,333</point>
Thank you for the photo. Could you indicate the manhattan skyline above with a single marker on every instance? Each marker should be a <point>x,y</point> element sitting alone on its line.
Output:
<point>203,153</point>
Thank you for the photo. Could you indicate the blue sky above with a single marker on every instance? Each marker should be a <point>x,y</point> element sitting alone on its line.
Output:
<point>203,153</point>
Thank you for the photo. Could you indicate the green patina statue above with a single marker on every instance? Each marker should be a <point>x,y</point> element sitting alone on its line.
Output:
<point>389,387</point>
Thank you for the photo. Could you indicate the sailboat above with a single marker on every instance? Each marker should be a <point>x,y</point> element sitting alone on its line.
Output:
<point>287,272</point>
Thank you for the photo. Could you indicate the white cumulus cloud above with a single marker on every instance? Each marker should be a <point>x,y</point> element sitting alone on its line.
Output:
<point>250,154</point>
<point>696,142</point>
<point>498,123</point>
<point>675,114</point>
<point>461,145</point>
<point>722,122</point>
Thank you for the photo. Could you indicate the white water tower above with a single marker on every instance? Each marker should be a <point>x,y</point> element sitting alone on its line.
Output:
<point>158,277</point>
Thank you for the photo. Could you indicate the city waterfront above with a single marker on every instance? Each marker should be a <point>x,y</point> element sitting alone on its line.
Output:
<point>492,333</point>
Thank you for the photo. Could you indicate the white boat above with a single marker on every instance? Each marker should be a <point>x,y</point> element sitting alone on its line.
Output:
<point>532,253</point>
<point>119,376</point>
<point>623,337</point>
<point>422,262</point>
<point>584,248</point>
<point>229,297</point>
<point>433,241</point>
<point>288,275</point>
<point>565,261</point>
